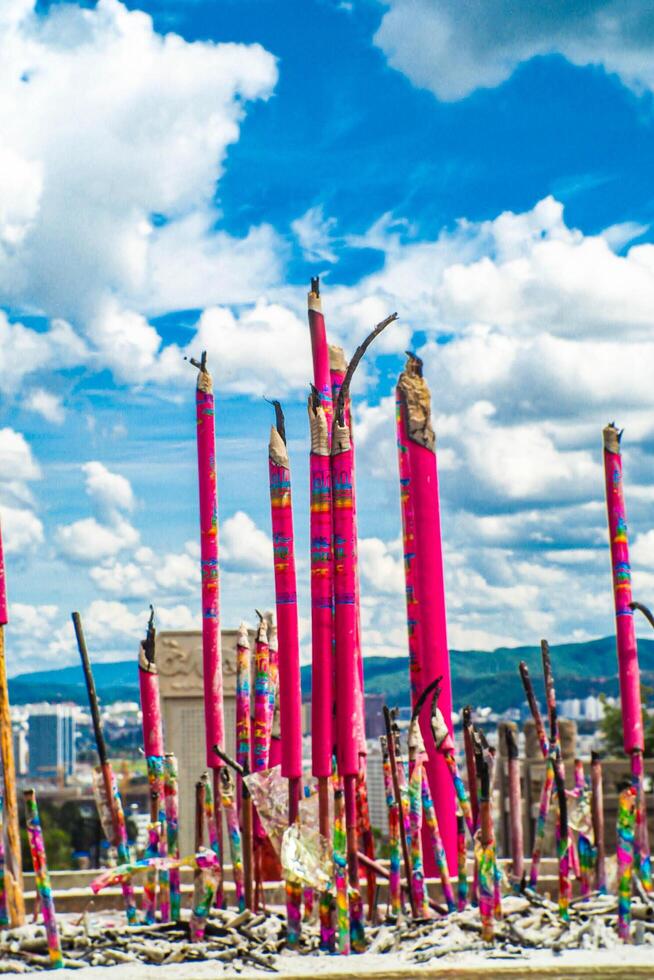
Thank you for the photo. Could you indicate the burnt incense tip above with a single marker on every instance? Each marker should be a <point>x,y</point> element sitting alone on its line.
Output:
<point>511,742</point>
<point>337,359</point>
<point>595,756</point>
<point>315,285</point>
<point>280,422</point>
<point>415,400</point>
<point>147,650</point>
<point>612,437</point>
<point>204,382</point>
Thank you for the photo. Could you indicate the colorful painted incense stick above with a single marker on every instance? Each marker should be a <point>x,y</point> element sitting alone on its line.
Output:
<point>485,847</point>
<point>154,753</point>
<point>171,806</point>
<point>625,847</point>
<point>322,597</point>
<point>346,627</point>
<point>42,878</point>
<point>462,863</point>
<point>243,721</point>
<point>395,847</point>
<point>228,794</point>
<point>585,854</point>
<point>290,697</point>
<point>627,648</point>
<point>204,880</point>
<point>210,585</point>
<point>341,870</point>
<point>396,774</point>
<point>13,865</point>
<point>425,584</point>
<point>515,809</point>
<point>444,744</point>
<point>597,811</point>
<point>111,793</point>
<point>261,712</point>
<point>365,834</point>
<point>246,823</point>
<point>417,756</point>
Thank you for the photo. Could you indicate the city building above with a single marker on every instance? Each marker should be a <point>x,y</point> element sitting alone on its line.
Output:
<point>19,735</point>
<point>51,742</point>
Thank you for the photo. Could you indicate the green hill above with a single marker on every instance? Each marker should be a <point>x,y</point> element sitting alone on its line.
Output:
<point>479,677</point>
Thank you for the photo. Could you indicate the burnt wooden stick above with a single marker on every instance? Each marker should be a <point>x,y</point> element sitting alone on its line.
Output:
<point>392,754</point>
<point>246,821</point>
<point>515,810</point>
<point>470,764</point>
<point>533,707</point>
<point>597,811</point>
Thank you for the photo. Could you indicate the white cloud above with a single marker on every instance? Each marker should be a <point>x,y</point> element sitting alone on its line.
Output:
<point>456,46</point>
<point>109,492</point>
<point>93,539</point>
<point>244,546</point>
<point>150,575</point>
<point>381,565</point>
<point>314,234</point>
<point>88,541</point>
<point>22,530</point>
<point>47,405</point>
<point>113,140</point>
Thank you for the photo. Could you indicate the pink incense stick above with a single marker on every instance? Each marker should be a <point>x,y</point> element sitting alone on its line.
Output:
<point>416,441</point>
<point>290,697</point>
<point>211,653</point>
<point>338,369</point>
<point>320,352</point>
<point>629,671</point>
<point>322,616</point>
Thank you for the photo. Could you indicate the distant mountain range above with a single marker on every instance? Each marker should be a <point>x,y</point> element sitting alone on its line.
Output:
<point>479,677</point>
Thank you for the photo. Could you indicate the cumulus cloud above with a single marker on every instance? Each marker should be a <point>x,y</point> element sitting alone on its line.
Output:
<point>114,137</point>
<point>47,405</point>
<point>314,234</point>
<point>149,575</point>
<point>22,530</point>
<point>244,546</point>
<point>92,539</point>
<point>456,46</point>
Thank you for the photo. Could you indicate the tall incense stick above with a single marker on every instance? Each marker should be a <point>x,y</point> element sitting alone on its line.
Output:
<point>597,812</point>
<point>290,697</point>
<point>112,795</point>
<point>627,648</point>
<point>424,570</point>
<point>211,649</point>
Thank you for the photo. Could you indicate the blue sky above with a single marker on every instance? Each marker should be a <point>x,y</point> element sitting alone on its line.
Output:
<point>171,175</point>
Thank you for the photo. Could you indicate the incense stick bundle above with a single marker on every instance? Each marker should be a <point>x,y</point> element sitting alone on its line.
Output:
<point>424,575</point>
<point>290,697</point>
<point>13,860</point>
<point>210,585</point>
<point>627,648</point>
<point>42,878</point>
